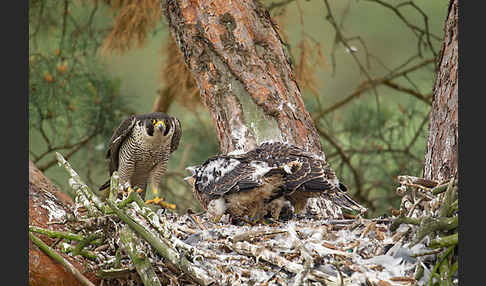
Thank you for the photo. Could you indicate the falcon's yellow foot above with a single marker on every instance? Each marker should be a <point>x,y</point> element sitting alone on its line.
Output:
<point>299,206</point>
<point>130,190</point>
<point>254,221</point>
<point>196,220</point>
<point>161,202</point>
<point>268,221</point>
<point>216,218</point>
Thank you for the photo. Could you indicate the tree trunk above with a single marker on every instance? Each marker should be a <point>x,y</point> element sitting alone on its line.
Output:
<point>441,156</point>
<point>48,205</point>
<point>244,75</point>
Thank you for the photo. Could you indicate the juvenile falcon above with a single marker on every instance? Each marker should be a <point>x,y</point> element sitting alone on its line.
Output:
<point>139,150</point>
<point>262,179</point>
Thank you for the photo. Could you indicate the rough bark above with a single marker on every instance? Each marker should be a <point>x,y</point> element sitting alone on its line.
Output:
<point>237,58</point>
<point>46,205</point>
<point>441,159</point>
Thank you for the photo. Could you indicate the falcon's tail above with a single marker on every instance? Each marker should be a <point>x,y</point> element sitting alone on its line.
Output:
<point>105,185</point>
<point>346,202</point>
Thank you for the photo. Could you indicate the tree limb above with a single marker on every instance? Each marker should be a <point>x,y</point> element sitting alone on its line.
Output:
<point>130,244</point>
<point>57,257</point>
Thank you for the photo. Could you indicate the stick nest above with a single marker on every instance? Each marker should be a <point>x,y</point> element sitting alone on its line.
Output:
<point>191,250</point>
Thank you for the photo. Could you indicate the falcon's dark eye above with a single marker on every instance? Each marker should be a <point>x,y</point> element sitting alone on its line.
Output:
<point>150,128</point>
<point>167,128</point>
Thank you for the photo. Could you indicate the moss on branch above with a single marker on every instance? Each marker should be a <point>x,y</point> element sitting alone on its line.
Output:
<point>130,243</point>
<point>56,234</point>
<point>163,248</point>
<point>58,258</point>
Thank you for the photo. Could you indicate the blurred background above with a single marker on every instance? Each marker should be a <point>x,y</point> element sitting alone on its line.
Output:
<point>366,71</point>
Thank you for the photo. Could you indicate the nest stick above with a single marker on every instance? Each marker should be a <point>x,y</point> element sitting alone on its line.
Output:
<point>56,234</point>
<point>58,258</point>
<point>163,248</point>
<point>84,195</point>
<point>130,244</point>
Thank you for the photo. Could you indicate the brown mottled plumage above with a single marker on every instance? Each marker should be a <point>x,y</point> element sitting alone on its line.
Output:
<point>262,179</point>
<point>140,147</point>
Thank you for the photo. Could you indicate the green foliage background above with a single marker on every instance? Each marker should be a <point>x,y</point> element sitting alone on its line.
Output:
<point>104,88</point>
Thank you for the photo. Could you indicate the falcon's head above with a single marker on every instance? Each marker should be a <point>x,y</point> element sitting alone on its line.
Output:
<point>159,127</point>
<point>191,180</point>
<point>154,127</point>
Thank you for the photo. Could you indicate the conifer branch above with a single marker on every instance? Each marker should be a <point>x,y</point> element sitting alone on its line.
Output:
<point>58,258</point>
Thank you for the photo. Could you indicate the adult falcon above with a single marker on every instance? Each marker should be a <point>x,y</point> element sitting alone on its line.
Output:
<point>260,181</point>
<point>139,150</point>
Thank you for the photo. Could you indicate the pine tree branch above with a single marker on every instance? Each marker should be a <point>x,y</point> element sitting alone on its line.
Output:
<point>56,234</point>
<point>445,241</point>
<point>367,85</point>
<point>57,257</point>
<point>130,244</point>
<point>419,96</point>
<point>163,248</point>
<point>84,195</point>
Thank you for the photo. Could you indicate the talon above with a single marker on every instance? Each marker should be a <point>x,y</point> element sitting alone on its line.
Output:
<point>253,221</point>
<point>198,222</point>
<point>216,218</point>
<point>160,202</point>
<point>263,221</point>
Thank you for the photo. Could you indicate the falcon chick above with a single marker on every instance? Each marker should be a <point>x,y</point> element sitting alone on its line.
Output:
<point>260,181</point>
<point>139,150</point>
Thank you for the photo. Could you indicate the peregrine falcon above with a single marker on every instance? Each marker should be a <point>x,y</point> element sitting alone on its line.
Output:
<point>260,181</point>
<point>139,150</point>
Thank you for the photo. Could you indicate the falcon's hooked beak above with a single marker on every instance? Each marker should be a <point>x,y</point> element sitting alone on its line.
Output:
<point>159,124</point>
<point>190,180</point>
<point>192,169</point>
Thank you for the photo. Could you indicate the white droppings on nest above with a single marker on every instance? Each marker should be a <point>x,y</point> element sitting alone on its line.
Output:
<point>65,247</point>
<point>326,251</point>
<point>254,252</point>
<point>54,212</point>
<point>272,254</point>
<point>73,184</point>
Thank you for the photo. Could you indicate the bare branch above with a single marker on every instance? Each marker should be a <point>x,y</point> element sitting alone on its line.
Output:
<point>57,257</point>
<point>417,95</point>
<point>367,85</point>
